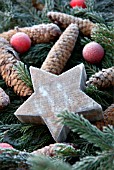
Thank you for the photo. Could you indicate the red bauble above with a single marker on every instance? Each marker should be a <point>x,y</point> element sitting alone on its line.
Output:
<point>78,3</point>
<point>5,146</point>
<point>20,42</point>
<point>93,52</point>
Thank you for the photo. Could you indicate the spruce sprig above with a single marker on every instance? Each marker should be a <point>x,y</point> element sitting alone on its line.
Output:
<point>104,98</point>
<point>24,74</point>
<point>86,130</point>
<point>25,136</point>
<point>104,160</point>
<point>12,159</point>
<point>44,163</point>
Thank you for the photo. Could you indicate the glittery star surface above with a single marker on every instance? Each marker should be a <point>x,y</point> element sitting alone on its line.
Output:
<point>54,94</point>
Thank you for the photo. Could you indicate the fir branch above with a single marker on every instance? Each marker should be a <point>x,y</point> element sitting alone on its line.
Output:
<point>36,55</point>
<point>25,136</point>
<point>86,130</point>
<point>65,150</point>
<point>104,160</point>
<point>90,4</point>
<point>13,160</point>
<point>49,6</point>
<point>90,12</point>
<point>105,36</point>
<point>104,98</point>
<point>24,74</point>
<point>45,163</point>
<point>90,68</point>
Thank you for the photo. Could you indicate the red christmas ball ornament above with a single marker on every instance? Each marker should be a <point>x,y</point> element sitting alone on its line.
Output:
<point>5,146</point>
<point>78,3</point>
<point>20,42</point>
<point>93,52</point>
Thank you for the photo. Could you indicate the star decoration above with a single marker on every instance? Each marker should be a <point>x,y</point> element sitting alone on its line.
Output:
<point>52,95</point>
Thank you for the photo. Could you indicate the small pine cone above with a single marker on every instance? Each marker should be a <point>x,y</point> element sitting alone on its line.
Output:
<point>9,59</point>
<point>42,33</point>
<point>4,99</point>
<point>109,115</point>
<point>64,20</point>
<point>47,150</point>
<point>54,149</point>
<point>102,79</point>
<point>61,51</point>
<point>108,118</point>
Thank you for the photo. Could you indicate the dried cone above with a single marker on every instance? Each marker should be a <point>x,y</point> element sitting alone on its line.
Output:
<point>53,149</point>
<point>4,99</point>
<point>102,79</point>
<point>9,59</point>
<point>108,118</point>
<point>64,20</point>
<point>61,51</point>
<point>47,150</point>
<point>109,115</point>
<point>42,33</point>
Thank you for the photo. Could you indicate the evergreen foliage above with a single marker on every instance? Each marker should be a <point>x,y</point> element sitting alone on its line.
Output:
<point>25,136</point>
<point>24,74</point>
<point>104,140</point>
<point>95,148</point>
<point>45,163</point>
<point>13,160</point>
<point>104,159</point>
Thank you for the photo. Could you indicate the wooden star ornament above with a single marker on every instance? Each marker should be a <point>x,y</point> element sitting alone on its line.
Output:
<point>52,95</point>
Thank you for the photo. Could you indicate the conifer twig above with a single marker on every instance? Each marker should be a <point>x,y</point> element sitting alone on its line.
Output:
<point>24,74</point>
<point>44,163</point>
<point>104,160</point>
<point>86,130</point>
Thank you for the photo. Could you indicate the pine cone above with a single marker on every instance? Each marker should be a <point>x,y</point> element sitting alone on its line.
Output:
<point>109,115</point>
<point>102,79</point>
<point>55,149</point>
<point>47,150</point>
<point>108,118</point>
<point>64,20</point>
<point>61,51</point>
<point>4,99</point>
<point>42,33</point>
<point>9,59</point>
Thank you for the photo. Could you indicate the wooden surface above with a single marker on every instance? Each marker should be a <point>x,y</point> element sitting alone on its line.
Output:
<point>54,94</point>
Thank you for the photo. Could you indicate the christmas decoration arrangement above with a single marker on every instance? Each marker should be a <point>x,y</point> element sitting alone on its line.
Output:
<point>56,84</point>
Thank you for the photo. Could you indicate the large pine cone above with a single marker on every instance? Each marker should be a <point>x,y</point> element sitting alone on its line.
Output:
<point>42,33</point>
<point>61,51</point>
<point>64,20</point>
<point>9,59</point>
